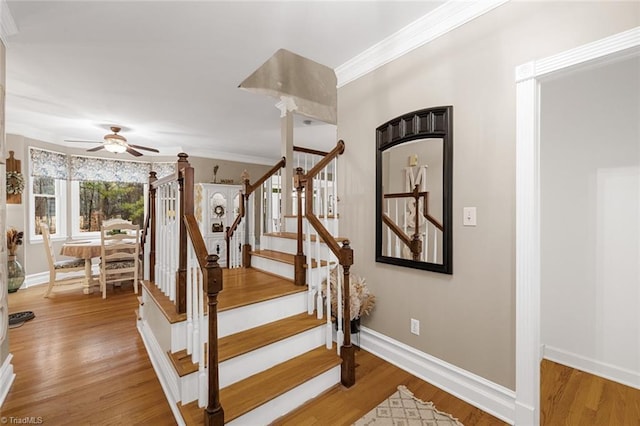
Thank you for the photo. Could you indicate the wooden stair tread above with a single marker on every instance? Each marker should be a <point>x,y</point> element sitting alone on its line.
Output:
<point>294,236</point>
<point>245,395</point>
<point>246,286</point>
<point>254,338</point>
<point>331,216</point>
<point>241,287</point>
<point>182,363</point>
<point>167,307</point>
<point>284,257</point>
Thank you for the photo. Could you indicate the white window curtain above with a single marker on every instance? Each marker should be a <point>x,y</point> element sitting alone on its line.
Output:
<point>106,170</point>
<point>163,169</point>
<point>50,164</point>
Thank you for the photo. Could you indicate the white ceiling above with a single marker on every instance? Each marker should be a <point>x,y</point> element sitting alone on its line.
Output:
<point>168,71</point>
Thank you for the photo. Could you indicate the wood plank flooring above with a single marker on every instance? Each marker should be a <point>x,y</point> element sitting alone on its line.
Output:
<point>81,361</point>
<point>573,397</point>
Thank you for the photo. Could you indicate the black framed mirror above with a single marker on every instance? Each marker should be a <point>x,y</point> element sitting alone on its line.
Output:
<point>414,187</point>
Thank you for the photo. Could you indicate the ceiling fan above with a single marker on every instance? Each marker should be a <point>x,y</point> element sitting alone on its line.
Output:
<point>113,142</point>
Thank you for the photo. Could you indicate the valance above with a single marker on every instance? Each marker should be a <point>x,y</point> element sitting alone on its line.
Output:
<point>163,169</point>
<point>106,170</point>
<point>48,164</point>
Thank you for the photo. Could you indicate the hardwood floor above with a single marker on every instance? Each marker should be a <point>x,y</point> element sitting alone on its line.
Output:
<point>81,361</point>
<point>573,397</point>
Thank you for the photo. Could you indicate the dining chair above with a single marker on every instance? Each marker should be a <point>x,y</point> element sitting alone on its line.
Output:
<point>119,250</point>
<point>64,267</point>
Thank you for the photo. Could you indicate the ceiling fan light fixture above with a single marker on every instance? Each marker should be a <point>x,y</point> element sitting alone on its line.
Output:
<point>114,145</point>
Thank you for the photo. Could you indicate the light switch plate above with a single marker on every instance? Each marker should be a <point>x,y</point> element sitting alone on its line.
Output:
<point>469,216</point>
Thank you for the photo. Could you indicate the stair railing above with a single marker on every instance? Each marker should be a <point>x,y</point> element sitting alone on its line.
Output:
<point>316,189</point>
<point>410,211</point>
<point>204,274</point>
<point>170,198</point>
<point>270,205</point>
<point>178,263</point>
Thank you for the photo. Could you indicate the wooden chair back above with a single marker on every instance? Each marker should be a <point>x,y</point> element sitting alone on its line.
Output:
<point>119,252</point>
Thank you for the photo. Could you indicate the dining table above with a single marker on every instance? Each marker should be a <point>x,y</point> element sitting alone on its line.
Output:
<point>87,250</point>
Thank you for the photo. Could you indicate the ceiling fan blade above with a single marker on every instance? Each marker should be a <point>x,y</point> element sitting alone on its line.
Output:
<point>133,152</point>
<point>144,147</point>
<point>97,148</point>
<point>81,141</point>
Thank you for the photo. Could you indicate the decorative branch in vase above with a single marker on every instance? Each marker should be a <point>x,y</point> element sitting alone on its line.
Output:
<point>15,272</point>
<point>361,301</point>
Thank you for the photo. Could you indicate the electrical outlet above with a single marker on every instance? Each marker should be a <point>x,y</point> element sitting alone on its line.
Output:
<point>415,326</point>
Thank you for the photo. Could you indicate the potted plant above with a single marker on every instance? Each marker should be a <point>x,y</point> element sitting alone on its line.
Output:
<point>14,268</point>
<point>361,301</point>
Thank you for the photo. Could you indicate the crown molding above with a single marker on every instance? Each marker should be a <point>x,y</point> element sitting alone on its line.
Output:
<point>434,24</point>
<point>7,24</point>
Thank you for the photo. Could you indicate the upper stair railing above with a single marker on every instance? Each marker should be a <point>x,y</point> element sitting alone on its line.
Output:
<point>318,184</point>
<point>410,224</point>
<point>270,206</point>
<point>179,265</point>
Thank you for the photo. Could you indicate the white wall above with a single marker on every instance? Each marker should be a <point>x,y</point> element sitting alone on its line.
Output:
<point>468,318</point>
<point>590,197</point>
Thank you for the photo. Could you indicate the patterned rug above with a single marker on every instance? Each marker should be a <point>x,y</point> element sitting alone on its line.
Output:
<point>404,409</point>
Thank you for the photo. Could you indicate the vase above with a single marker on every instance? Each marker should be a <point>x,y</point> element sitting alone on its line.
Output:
<point>15,272</point>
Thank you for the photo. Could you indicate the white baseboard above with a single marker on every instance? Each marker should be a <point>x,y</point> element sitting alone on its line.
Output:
<point>163,369</point>
<point>477,391</point>
<point>7,376</point>
<point>599,368</point>
<point>36,279</point>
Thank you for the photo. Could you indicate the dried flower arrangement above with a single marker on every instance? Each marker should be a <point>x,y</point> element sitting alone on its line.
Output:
<point>14,239</point>
<point>361,300</point>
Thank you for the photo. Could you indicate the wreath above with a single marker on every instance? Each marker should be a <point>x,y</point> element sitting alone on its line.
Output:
<point>219,211</point>
<point>15,183</point>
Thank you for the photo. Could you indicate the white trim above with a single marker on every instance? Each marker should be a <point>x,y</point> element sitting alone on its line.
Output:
<point>429,27</point>
<point>593,366</point>
<point>588,52</point>
<point>36,279</point>
<point>477,391</point>
<point>7,376</point>
<point>163,368</point>
<point>7,24</point>
<point>528,78</point>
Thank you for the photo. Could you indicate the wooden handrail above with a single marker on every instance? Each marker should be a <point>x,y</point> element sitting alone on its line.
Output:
<point>252,187</point>
<point>338,150</point>
<point>309,151</point>
<point>199,246</point>
<point>165,179</point>
<point>344,255</point>
<point>249,188</point>
<point>425,206</point>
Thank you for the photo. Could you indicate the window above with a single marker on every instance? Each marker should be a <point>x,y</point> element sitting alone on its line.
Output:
<point>97,201</point>
<point>44,203</point>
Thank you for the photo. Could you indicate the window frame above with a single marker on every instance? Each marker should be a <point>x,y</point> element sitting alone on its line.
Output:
<point>60,196</point>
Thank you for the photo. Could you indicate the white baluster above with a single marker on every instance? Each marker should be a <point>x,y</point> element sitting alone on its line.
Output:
<point>435,245</point>
<point>190,304</point>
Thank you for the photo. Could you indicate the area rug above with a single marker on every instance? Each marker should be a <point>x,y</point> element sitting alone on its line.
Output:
<point>404,409</point>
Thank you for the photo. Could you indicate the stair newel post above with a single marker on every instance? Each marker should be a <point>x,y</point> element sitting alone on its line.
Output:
<point>348,373</point>
<point>246,247</point>
<point>300,259</point>
<point>185,182</point>
<point>152,225</point>
<point>213,414</point>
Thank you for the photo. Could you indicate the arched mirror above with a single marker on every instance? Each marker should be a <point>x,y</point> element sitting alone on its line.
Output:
<point>414,175</point>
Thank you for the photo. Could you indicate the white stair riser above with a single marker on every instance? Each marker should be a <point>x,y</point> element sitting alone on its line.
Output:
<point>291,224</point>
<point>261,359</point>
<point>287,245</point>
<point>246,317</point>
<point>286,270</point>
<point>289,401</point>
<point>275,267</point>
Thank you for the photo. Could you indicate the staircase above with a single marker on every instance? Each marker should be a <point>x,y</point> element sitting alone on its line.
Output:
<point>275,350</point>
